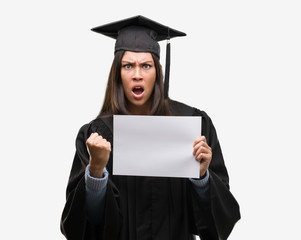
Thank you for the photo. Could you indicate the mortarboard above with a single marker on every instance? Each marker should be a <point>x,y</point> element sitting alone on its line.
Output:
<point>141,34</point>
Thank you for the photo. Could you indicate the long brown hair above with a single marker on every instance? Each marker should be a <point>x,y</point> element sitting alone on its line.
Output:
<point>115,101</point>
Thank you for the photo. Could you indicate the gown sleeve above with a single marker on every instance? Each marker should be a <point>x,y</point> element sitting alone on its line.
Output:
<point>74,222</point>
<point>223,212</point>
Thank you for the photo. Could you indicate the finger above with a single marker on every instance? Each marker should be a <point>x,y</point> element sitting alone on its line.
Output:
<point>98,139</point>
<point>203,157</point>
<point>100,142</point>
<point>92,138</point>
<point>197,145</point>
<point>108,146</point>
<point>202,150</point>
<point>103,143</point>
<point>200,145</point>
<point>203,144</point>
<point>199,157</point>
<point>94,135</point>
<point>199,139</point>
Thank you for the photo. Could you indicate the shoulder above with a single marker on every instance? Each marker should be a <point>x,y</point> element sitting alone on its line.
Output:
<point>208,128</point>
<point>100,125</point>
<point>182,109</point>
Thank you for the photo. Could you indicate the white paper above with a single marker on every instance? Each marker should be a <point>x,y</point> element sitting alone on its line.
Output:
<point>155,146</point>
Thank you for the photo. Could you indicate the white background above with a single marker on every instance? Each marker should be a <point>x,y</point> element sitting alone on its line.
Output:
<point>240,62</point>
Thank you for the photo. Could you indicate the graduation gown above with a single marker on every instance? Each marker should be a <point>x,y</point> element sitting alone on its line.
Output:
<point>150,207</point>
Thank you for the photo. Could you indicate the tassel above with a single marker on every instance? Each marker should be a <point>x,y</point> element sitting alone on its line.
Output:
<point>167,68</point>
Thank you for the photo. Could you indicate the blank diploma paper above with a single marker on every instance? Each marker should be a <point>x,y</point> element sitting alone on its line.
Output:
<point>155,146</point>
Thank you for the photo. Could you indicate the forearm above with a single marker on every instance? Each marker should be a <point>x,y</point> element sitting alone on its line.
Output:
<point>202,188</point>
<point>95,195</point>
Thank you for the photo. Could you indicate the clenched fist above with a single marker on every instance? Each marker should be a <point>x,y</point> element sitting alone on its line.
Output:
<point>99,150</point>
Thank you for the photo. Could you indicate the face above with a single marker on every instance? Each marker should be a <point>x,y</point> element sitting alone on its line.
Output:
<point>138,76</point>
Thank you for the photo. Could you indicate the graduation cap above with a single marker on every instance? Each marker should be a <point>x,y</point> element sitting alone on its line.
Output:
<point>141,34</point>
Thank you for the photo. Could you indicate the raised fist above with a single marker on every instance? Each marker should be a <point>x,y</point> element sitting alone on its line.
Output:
<point>99,150</point>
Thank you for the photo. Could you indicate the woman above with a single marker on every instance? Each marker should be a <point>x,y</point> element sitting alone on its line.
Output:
<point>102,206</point>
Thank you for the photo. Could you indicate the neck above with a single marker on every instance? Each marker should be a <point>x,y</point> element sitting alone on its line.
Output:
<point>139,110</point>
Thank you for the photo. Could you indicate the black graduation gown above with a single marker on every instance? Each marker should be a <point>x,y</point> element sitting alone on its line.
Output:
<point>150,207</point>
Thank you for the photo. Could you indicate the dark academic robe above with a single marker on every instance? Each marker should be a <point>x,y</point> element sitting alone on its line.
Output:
<point>154,208</point>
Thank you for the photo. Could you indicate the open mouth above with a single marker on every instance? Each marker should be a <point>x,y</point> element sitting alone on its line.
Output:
<point>138,92</point>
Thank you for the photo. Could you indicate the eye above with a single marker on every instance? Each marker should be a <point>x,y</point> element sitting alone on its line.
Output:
<point>127,66</point>
<point>147,66</point>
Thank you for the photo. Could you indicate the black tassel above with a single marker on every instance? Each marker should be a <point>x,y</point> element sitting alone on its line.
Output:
<point>167,68</point>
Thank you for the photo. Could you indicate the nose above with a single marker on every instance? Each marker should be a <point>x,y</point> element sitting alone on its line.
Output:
<point>137,74</point>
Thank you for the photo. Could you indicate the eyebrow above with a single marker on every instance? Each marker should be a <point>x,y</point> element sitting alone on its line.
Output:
<point>132,62</point>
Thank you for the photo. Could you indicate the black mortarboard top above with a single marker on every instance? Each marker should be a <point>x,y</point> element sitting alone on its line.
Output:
<point>140,34</point>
